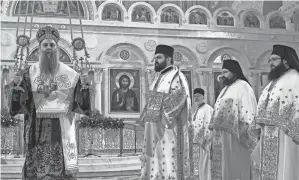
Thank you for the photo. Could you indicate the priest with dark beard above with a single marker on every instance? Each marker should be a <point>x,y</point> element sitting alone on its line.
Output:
<point>275,129</point>
<point>234,110</point>
<point>165,119</point>
<point>49,93</point>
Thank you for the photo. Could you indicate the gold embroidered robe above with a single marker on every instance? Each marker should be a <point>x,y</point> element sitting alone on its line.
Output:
<point>276,130</point>
<point>49,126</point>
<point>202,136</point>
<point>233,112</point>
<point>165,119</point>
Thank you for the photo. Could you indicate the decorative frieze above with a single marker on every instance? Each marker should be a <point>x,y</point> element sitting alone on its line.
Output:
<point>202,47</point>
<point>150,45</point>
<point>7,39</point>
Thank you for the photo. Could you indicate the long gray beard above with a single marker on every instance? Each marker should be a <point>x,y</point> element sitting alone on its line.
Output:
<point>48,62</point>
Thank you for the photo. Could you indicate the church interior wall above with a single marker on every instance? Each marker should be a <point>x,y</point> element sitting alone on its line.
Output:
<point>123,41</point>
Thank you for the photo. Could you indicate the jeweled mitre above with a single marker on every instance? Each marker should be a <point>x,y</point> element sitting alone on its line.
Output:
<point>47,32</point>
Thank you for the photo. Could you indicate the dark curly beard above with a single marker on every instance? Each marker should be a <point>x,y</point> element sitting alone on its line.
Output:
<point>227,81</point>
<point>276,72</point>
<point>161,66</point>
<point>48,62</point>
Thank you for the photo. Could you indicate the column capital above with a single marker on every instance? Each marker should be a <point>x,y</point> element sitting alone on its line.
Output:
<point>98,74</point>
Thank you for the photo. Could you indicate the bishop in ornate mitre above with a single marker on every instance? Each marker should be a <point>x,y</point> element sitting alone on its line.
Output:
<point>234,110</point>
<point>49,94</point>
<point>165,119</point>
<point>275,129</point>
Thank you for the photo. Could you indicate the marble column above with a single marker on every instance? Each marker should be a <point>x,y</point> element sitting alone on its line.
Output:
<point>252,78</point>
<point>98,89</point>
<point>205,81</point>
<point>150,75</point>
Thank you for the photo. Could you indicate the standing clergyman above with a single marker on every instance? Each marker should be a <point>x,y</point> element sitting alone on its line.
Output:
<point>276,126</point>
<point>202,134</point>
<point>48,94</point>
<point>165,119</point>
<point>234,110</point>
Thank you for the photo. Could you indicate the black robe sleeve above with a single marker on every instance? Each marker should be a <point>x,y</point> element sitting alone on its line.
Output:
<point>82,100</point>
<point>21,102</point>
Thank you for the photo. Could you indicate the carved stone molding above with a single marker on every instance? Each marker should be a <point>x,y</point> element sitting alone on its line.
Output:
<point>202,47</point>
<point>7,39</point>
<point>205,77</point>
<point>238,6</point>
<point>177,56</point>
<point>98,75</point>
<point>252,74</point>
<point>5,7</point>
<point>150,45</point>
<point>150,75</point>
<point>288,8</point>
<point>199,72</point>
<point>251,53</point>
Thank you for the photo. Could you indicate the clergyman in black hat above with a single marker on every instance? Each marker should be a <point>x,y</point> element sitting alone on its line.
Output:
<point>201,133</point>
<point>277,119</point>
<point>165,119</point>
<point>234,110</point>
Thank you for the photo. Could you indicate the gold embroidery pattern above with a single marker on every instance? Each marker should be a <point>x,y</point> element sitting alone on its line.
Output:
<point>154,106</point>
<point>180,150</point>
<point>155,100</point>
<point>48,115</point>
<point>71,149</point>
<point>173,104</point>
<point>190,132</point>
<point>284,118</point>
<point>269,166</point>
<point>230,121</point>
<point>216,157</point>
<point>63,82</point>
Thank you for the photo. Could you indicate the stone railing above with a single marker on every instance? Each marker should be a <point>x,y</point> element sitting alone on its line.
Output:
<point>96,141</point>
<point>91,141</point>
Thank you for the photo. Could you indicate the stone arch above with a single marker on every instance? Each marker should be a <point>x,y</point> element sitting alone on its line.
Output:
<point>274,13</point>
<point>243,15</point>
<point>240,57</point>
<point>173,6</point>
<point>89,9</point>
<point>204,9</point>
<point>136,4</point>
<point>262,61</point>
<point>124,12</point>
<point>188,57</point>
<point>226,9</point>
<point>114,54</point>
<point>239,6</point>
